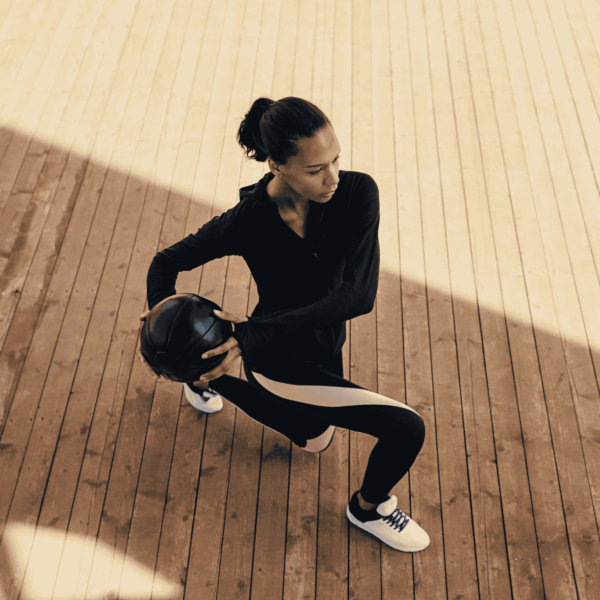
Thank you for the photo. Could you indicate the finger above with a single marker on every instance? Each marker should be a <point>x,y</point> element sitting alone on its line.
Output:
<point>222,368</point>
<point>230,317</point>
<point>143,316</point>
<point>226,347</point>
<point>204,379</point>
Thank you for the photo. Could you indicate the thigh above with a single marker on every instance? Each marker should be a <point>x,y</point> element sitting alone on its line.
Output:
<point>337,401</point>
<point>297,422</point>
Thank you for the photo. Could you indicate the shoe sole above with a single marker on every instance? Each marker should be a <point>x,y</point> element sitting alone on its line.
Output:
<point>202,406</point>
<point>361,525</point>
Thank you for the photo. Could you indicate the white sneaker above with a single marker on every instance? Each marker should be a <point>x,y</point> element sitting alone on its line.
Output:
<point>208,401</point>
<point>389,524</point>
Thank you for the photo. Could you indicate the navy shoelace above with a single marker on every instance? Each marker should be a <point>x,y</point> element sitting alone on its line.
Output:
<point>397,520</point>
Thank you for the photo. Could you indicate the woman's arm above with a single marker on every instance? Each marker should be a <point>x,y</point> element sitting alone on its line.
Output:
<point>355,297</point>
<point>221,236</point>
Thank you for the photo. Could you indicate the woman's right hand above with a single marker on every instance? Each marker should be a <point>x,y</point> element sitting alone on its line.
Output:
<point>139,354</point>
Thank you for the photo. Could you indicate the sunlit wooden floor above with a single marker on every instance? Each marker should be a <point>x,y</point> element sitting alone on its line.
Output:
<point>479,120</point>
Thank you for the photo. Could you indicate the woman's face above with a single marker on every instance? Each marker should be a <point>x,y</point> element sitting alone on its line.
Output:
<point>313,172</point>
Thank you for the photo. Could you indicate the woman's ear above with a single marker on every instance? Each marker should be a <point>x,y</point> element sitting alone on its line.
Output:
<point>274,168</point>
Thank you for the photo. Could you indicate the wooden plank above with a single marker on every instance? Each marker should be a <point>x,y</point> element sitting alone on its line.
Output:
<point>17,35</point>
<point>459,550</point>
<point>283,81</point>
<point>564,98</point>
<point>577,25</point>
<point>304,51</point>
<point>49,44</point>
<point>26,397</point>
<point>74,345</point>
<point>173,555</point>
<point>18,201</point>
<point>10,15</point>
<point>577,319</point>
<point>36,213</point>
<point>489,536</point>
<point>27,101</point>
<point>89,97</point>
<point>173,550</point>
<point>584,18</point>
<point>102,94</point>
<point>16,149</point>
<point>145,106</point>
<point>65,358</point>
<point>29,489</point>
<point>575,101</point>
<point>516,501</point>
<point>96,468</point>
<point>87,505</point>
<point>396,568</point>
<point>69,454</point>
<point>32,296</point>
<point>429,572</point>
<point>529,402</point>
<point>323,55</point>
<point>591,12</point>
<point>574,485</point>
<point>28,237</point>
<point>520,532</point>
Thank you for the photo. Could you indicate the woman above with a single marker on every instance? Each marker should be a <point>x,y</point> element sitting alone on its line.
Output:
<point>308,233</point>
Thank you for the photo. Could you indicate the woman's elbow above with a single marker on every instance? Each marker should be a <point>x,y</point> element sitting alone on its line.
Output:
<point>366,303</point>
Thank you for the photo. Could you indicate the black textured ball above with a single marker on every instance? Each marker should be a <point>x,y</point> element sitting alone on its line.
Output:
<point>178,331</point>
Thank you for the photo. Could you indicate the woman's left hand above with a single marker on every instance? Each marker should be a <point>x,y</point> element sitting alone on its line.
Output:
<point>231,346</point>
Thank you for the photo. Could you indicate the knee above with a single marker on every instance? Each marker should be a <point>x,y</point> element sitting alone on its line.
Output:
<point>412,427</point>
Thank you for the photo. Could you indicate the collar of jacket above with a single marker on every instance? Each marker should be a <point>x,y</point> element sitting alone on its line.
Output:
<point>257,195</point>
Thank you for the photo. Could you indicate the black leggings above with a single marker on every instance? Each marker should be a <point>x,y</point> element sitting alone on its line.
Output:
<point>303,400</point>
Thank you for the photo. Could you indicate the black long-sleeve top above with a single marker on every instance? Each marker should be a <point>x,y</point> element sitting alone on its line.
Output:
<point>308,287</point>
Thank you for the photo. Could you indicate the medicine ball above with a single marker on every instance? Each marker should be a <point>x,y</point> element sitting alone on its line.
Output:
<point>178,331</point>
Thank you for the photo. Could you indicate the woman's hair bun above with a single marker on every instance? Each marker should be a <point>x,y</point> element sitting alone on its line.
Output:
<point>273,129</point>
<point>249,136</point>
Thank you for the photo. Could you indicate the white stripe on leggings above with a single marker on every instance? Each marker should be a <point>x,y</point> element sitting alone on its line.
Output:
<point>321,395</point>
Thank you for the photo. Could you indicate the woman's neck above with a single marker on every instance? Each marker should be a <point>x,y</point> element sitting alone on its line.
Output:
<point>286,199</point>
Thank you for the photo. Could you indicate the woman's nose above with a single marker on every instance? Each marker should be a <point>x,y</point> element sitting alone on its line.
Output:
<point>332,177</point>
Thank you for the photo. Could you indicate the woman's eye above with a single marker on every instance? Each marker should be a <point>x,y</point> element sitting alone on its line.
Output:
<point>315,172</point>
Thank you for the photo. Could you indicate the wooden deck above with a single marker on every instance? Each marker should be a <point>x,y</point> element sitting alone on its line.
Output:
<point>480,121</point>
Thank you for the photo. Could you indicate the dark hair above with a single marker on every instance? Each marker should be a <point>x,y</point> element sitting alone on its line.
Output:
<point>272,128</point>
